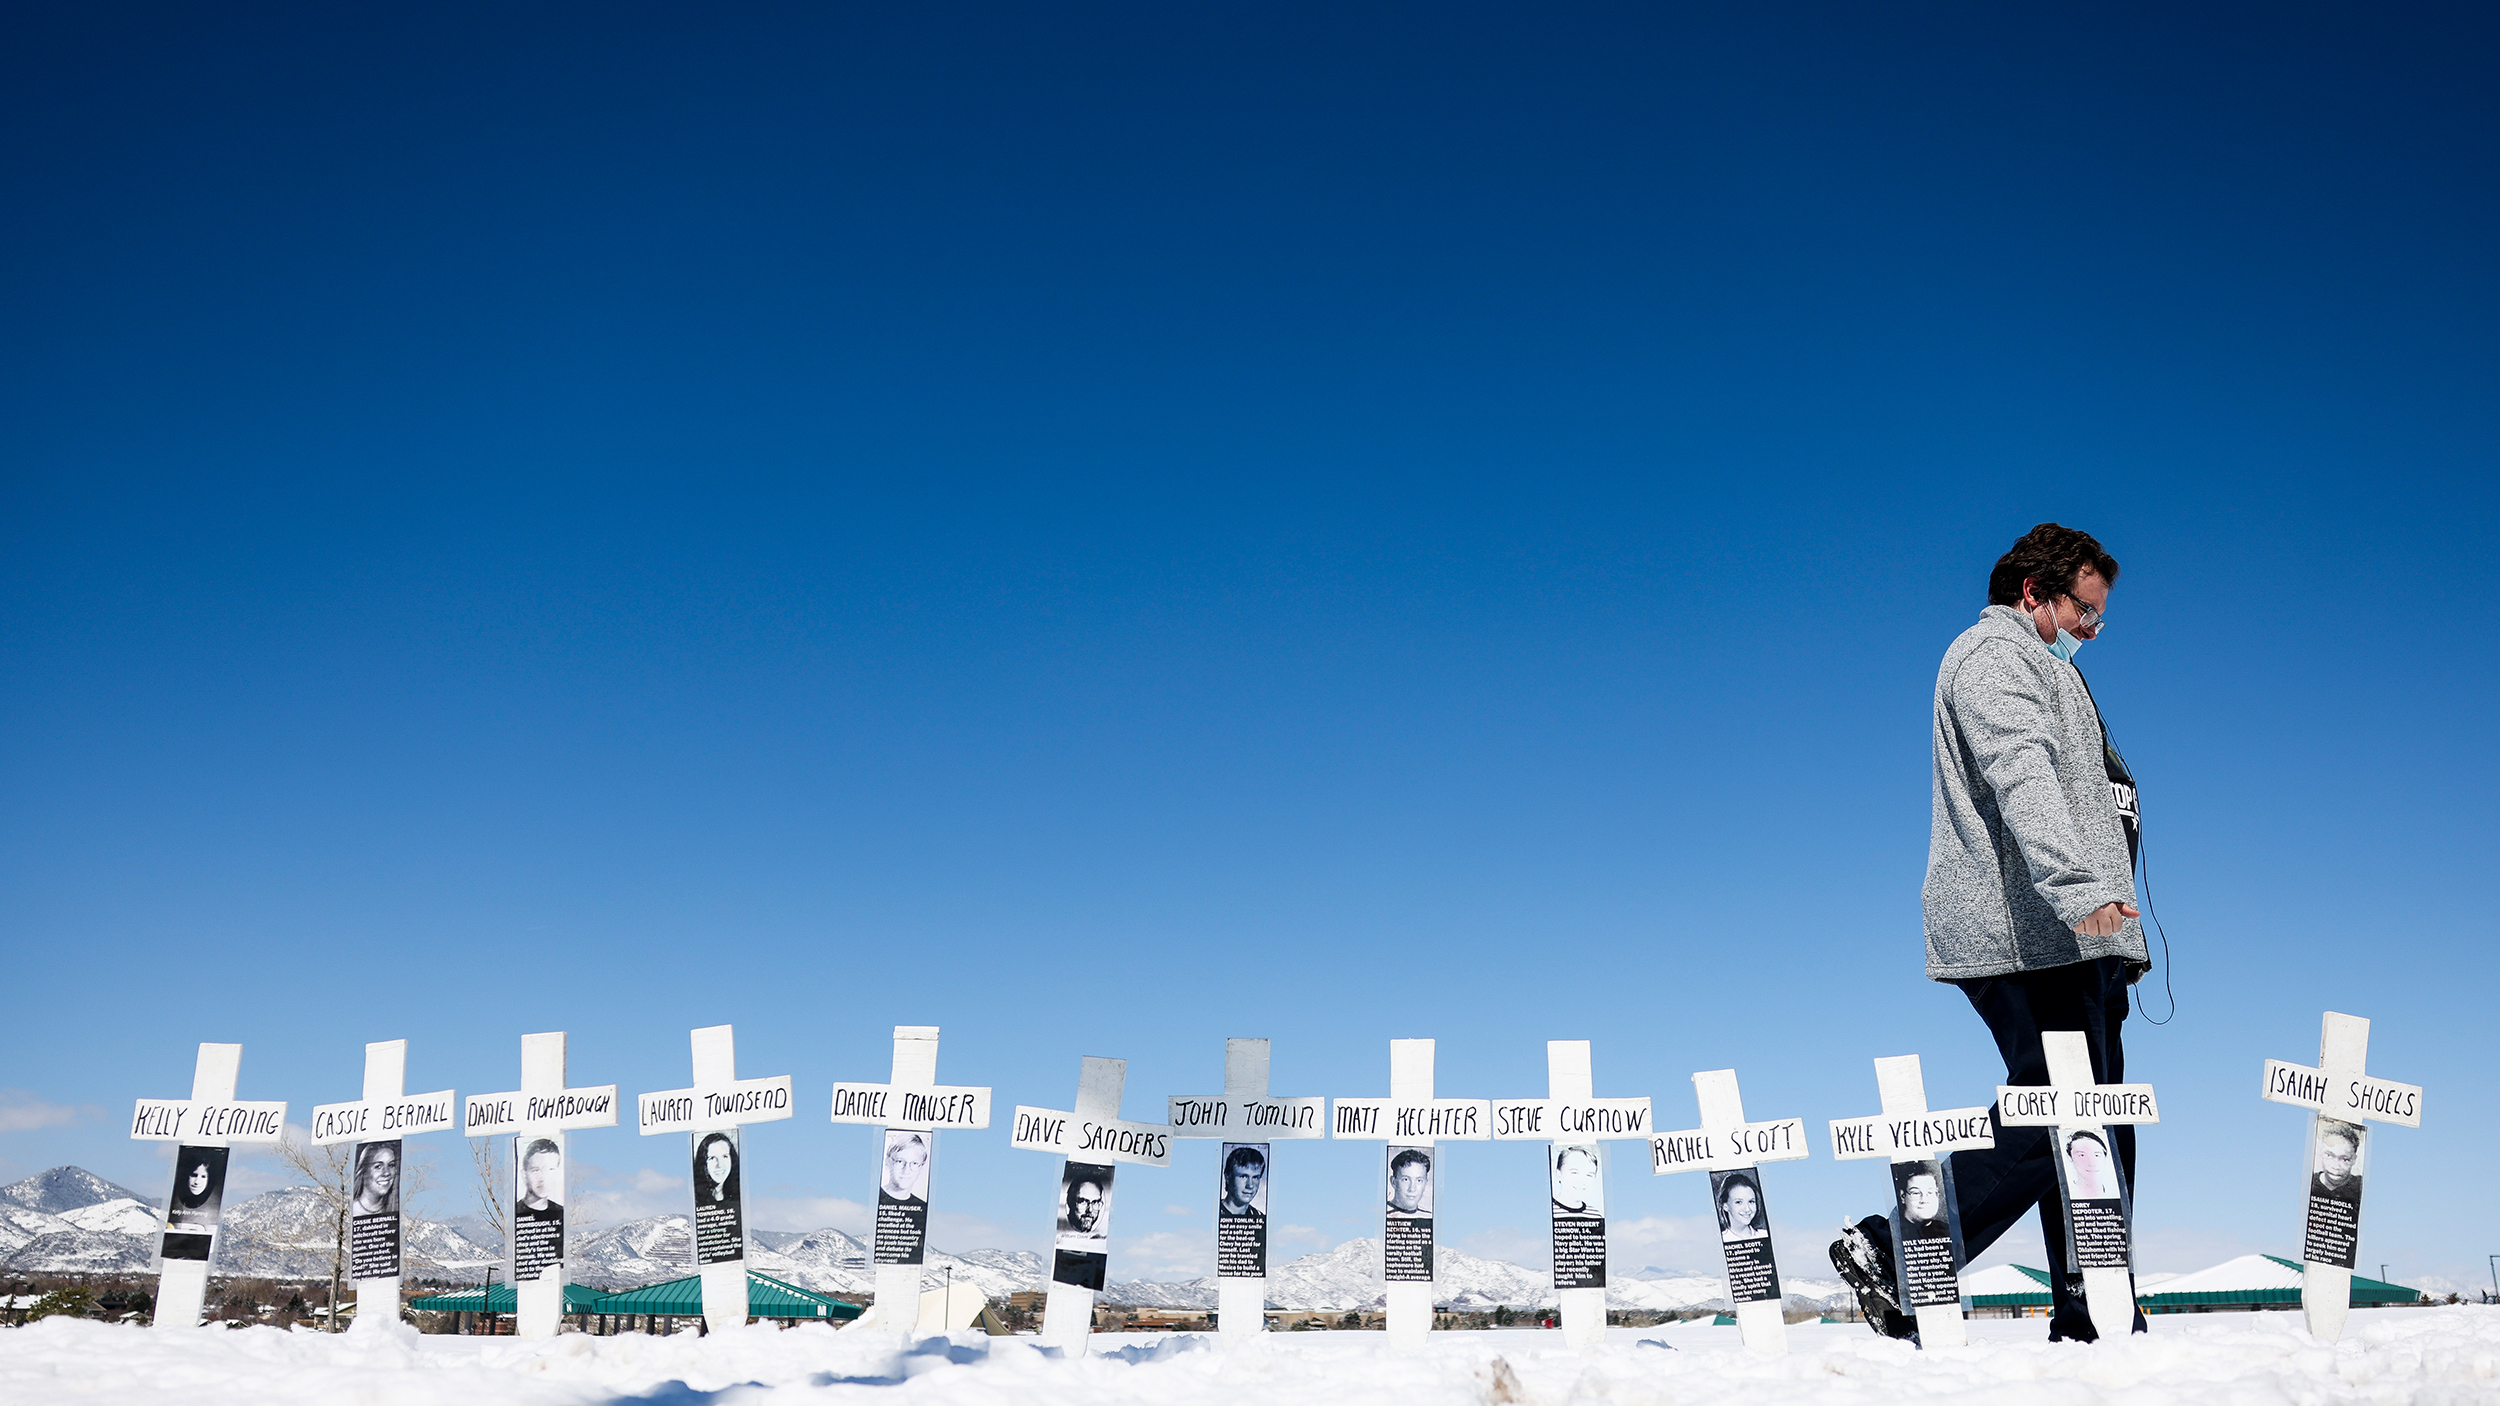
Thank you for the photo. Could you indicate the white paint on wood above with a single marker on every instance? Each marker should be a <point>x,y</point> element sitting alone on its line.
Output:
<point>182,1285</point>
<point>913,1100</point>
<point>2109,1294</point>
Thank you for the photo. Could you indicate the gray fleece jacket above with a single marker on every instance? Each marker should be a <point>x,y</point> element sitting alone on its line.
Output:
<point>2025,839</point>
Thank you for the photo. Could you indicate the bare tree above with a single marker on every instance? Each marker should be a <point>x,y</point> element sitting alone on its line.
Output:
<point>329,1170</point>
<point>493,1187</point>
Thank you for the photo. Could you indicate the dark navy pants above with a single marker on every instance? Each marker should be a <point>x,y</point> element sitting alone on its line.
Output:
<point>1994,1187</point>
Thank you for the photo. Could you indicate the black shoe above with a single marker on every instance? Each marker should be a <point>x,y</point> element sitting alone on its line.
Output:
<point>2072,1320</point>
<point>1863,1255</point>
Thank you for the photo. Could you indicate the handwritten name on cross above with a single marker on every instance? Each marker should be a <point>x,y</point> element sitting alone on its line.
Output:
<point>1732,1150</point>
<point>1571,1120</point>
<point>375,1124</point>
<point>205,1126</point>
<point>911,1107</point>
<point>2099,1208</point>
<point>536,1117</point>
<point>712,1114</point>
<point>1248,1121</point>
<point>1411,1121</point>
<point>2344,1100</point>
<point>1926,1219</point>
<point>1091,1137</point>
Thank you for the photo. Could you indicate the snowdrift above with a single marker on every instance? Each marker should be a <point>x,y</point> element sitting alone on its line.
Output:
<point>2440,1356</point>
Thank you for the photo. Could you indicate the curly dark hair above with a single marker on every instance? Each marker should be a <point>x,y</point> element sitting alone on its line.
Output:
<point>2049,557</point>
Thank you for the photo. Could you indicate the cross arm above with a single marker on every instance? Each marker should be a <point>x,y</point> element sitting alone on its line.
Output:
<point>926,1109</point>
<point>710,1107</point>
<point>208,1121</point>
<point>2050,1105</point>
<point>484,1115</point>
<point>1414,1120</point>
<point>1916,1135</point>
<point>2350,1097</point>
<point>376,1118</point>
<point>1246,1117</point>
<point>1720,1149</point>
<point>1092,1139</point>
<point>1570,1119</point>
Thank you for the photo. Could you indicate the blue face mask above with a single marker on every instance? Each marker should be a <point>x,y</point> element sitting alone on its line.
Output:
<point>2066,647</point>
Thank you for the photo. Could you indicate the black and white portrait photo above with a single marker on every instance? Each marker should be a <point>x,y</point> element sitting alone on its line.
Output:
<point>2336,1170</point>
<point>376,1181</point>
<point>2097,1234</point>
<point>1578,1180</point>
<point>720,1231</point>
<point>1244,1180</point>
<point>1241,1211</point>
<point>373,1211</point>
<point>2090,1173</point>
<point>538,1179</point>
<point>903,1173</point>
<point>902,1234</point>
<point>716,1168</point>
<point>1918,1190</point>
<point>1410,1182</point>
<point>1739,1200</point>
<point>2331,1228</point>
<point>537,1205</point>
<point>199,1186</point>
<point>1084,1206</point>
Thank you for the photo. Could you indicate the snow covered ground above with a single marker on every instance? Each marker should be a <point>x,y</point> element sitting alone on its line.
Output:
<point>2435,1356</point>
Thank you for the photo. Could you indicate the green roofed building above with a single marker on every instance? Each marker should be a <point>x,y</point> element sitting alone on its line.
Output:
<point>2247,1284</point>
<point>655,1308</point>
<point>2259,1282</point>
<point>499,1299</point>
<point>767,1297</point>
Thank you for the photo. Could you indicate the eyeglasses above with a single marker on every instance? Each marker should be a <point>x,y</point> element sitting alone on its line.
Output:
<point>2093,616</point>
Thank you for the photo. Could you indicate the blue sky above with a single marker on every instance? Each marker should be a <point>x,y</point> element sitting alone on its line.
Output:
<point>1104,529</point>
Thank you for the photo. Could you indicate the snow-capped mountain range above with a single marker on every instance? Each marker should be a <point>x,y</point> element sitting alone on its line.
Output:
<point>70,1221</point>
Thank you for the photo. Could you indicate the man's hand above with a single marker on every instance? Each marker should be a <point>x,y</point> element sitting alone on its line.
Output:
<point>2107,919</point>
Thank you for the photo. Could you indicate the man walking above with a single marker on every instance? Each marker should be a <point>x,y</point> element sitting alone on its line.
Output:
<point>2030,892</point>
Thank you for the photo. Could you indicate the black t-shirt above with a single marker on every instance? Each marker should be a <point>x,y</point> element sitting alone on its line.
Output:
<point>2121,780</point>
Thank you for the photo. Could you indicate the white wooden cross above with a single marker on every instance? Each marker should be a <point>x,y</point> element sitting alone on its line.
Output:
<point>1411,1121</point>
<point>1926,1222</point>
<point>536,1116</point>
<point>2099,1214</point>
<point>1091,1137</point>
<point>911,1107</point>
<point>203,1127</point>
<point>710,1114</point>
<point>1244,1114</point>
<point>1570,1120</point>
<point>375,1124</point>
<point>2343,1098</point>
<point>1731,1150</point>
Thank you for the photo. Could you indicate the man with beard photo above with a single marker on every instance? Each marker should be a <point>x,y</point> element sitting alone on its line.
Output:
<point>1085,1206</point>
